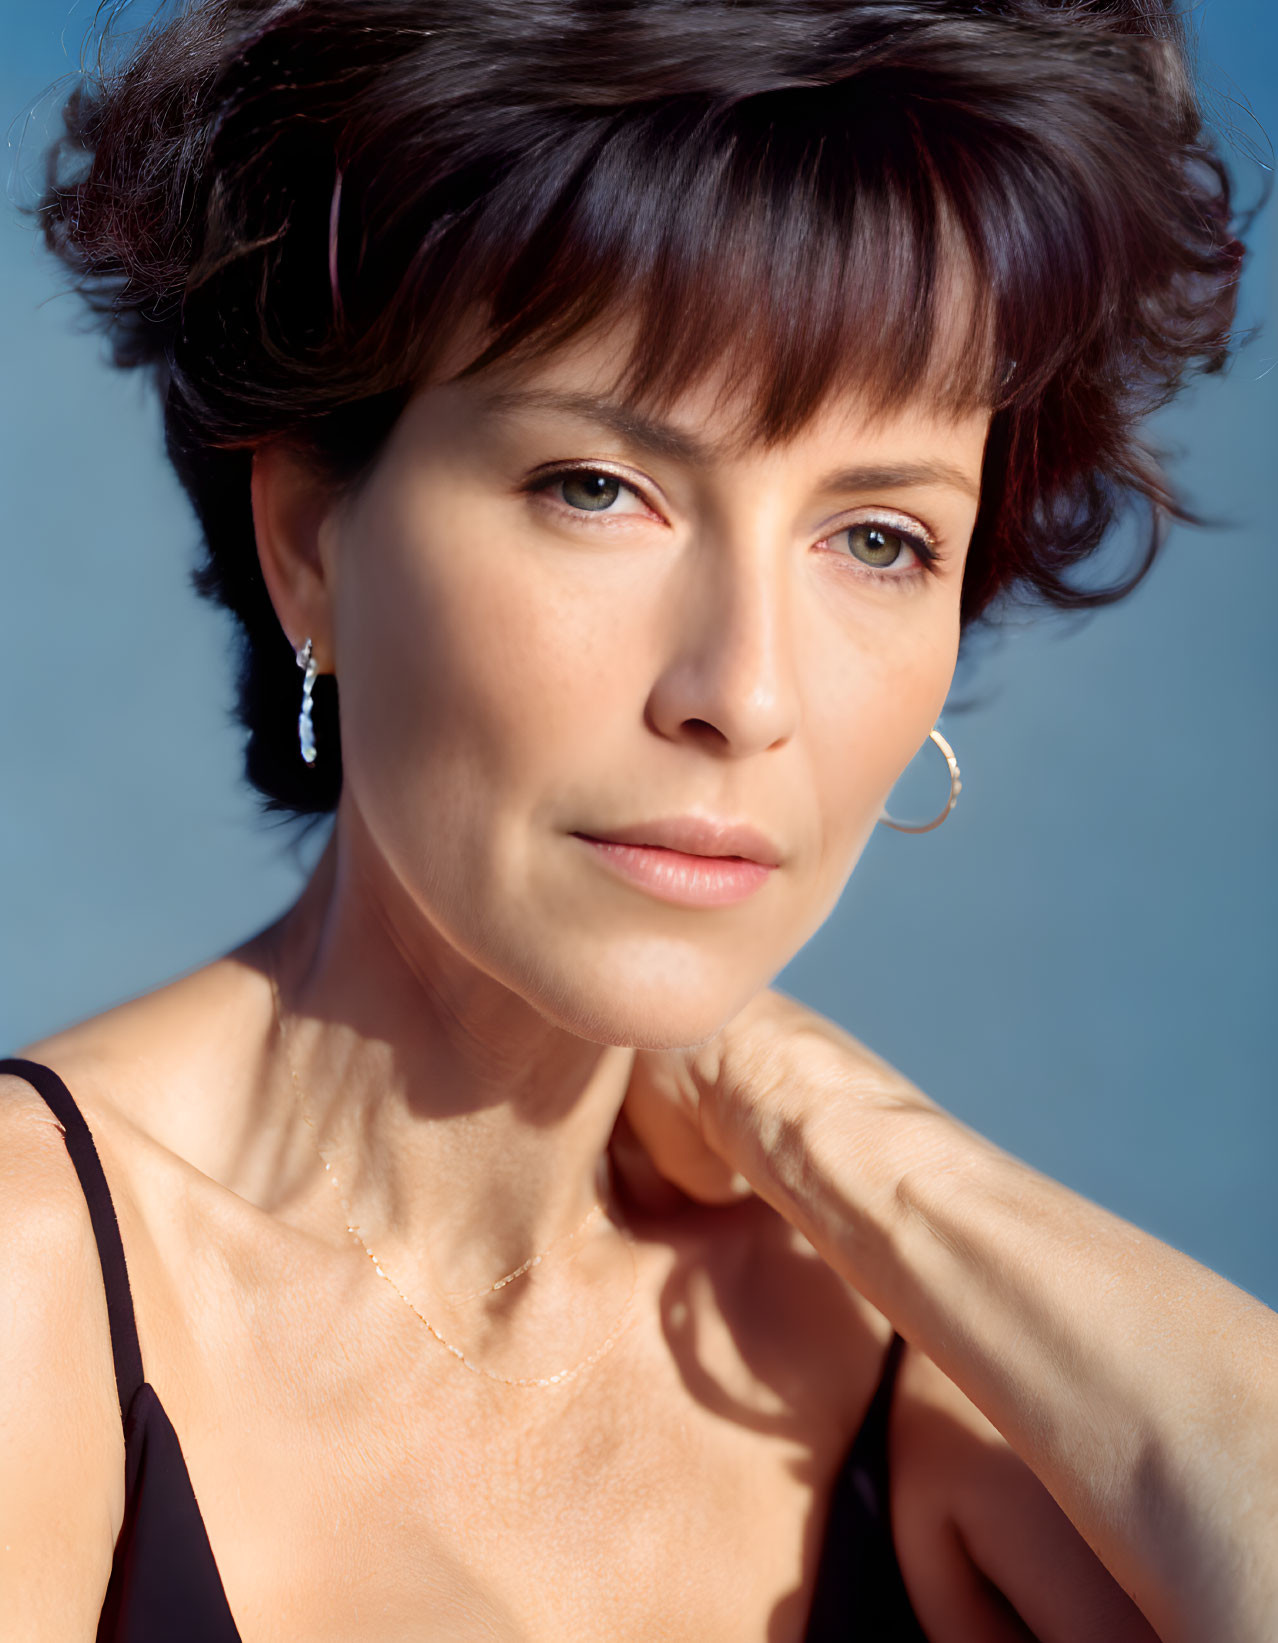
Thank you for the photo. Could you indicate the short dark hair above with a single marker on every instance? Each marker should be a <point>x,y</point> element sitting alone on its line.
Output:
<point>284,207</point>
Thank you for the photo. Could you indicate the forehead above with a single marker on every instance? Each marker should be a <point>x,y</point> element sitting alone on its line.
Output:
<point>712,420</point>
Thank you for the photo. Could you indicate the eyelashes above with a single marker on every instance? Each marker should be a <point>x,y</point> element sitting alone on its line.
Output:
<point>875,546</point>
<point>878,543</point>
<point>594,490</point>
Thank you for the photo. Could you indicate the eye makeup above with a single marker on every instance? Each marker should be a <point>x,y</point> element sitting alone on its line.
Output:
<point>875,542</point>
<point>879,541</point>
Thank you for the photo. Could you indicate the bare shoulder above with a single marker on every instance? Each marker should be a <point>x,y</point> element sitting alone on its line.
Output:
<point>47,1242</point>
<point>161,1070</point>
<point>61,1439</point>
<point>986,1552</point>
<point>148,1079</point>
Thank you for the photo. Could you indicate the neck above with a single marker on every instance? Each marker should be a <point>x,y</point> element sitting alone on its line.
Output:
<point>466,1131</point>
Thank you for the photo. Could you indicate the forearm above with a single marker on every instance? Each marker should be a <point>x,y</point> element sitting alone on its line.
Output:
<point>1138,1385</point>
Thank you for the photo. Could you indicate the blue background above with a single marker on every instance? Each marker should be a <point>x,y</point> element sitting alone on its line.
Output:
<point>1080,963</point>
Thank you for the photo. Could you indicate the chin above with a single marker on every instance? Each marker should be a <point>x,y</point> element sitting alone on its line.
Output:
<point>666,999</point>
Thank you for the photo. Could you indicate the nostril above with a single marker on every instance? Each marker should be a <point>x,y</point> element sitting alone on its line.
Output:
<point>703,730</point>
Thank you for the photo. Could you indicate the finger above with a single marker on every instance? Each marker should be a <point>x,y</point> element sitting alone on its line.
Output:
<point>673,1147</point>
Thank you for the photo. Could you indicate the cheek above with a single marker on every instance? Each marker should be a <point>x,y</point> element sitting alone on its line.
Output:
<point>880,694</point>
<point>469,674</point>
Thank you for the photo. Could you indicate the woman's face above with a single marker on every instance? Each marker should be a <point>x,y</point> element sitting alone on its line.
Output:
<point>557,619</point>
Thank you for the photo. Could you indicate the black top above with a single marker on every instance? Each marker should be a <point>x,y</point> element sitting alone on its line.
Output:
<point>164,1578</point>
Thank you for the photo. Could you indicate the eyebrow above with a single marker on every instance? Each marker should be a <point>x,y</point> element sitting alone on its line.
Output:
<point>662,439</point>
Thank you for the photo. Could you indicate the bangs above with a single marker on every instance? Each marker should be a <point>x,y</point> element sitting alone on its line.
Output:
<point>889,234</point>
<point>770,246</point>
<point>807,202</point>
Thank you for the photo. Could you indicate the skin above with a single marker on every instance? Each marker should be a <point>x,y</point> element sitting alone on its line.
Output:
<point>471,1000</point>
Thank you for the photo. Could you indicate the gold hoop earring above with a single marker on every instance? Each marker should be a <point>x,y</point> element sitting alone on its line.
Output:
<point>956,787</point>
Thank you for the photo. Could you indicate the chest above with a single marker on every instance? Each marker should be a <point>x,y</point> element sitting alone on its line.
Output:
<point>395,1497</point>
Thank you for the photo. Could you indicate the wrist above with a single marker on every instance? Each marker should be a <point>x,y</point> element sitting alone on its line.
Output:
<point>823,1130</point>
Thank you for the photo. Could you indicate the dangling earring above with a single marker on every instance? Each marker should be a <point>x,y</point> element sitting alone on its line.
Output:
<point>305,719</point>
<point>956,787</point>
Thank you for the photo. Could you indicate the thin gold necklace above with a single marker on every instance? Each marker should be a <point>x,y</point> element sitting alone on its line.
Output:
<point>561,1376</point>
<point>530,1263</point>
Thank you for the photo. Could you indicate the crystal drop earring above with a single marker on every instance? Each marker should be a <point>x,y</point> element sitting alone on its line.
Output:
<point>305,719</point>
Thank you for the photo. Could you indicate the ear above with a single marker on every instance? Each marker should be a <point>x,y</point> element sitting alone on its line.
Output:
<point>291,509</point>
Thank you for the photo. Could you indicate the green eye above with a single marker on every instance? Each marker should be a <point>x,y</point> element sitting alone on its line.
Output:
<point>591,491</point>
<point>876,545</point>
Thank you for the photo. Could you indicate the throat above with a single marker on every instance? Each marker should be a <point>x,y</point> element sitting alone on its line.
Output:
<point>521,1289</point>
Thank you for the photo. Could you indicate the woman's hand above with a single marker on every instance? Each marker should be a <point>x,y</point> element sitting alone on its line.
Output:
<point>1141,1388</point>
<point>699,1113</point>
<point>663,1112</point>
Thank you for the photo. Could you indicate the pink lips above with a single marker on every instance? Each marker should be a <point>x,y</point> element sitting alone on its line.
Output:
<point>691,860</point>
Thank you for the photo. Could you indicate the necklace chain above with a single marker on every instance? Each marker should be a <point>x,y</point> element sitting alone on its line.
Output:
<point>531,1262</point>
<point>561,1376</point>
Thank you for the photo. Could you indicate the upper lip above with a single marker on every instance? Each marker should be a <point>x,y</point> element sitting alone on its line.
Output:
<point>696,836</point>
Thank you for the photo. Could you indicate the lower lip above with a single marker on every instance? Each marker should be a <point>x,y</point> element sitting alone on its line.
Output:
<point>670,875</point>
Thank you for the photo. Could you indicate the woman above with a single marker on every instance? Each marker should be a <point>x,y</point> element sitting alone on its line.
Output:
<point>626,408</point>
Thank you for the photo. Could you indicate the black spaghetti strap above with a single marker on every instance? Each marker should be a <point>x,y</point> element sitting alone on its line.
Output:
<point>891,1364</point>
<point>106,1230</point>
<point>860,1590</point>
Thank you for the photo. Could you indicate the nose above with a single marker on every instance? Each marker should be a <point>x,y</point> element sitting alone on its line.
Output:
<point>728,681</point>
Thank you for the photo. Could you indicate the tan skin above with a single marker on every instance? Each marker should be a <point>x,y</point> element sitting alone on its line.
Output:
<point>464,986</point>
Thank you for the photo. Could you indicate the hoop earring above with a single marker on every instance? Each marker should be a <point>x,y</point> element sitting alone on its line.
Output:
<point>305,720</point>
<point>956,787</point>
